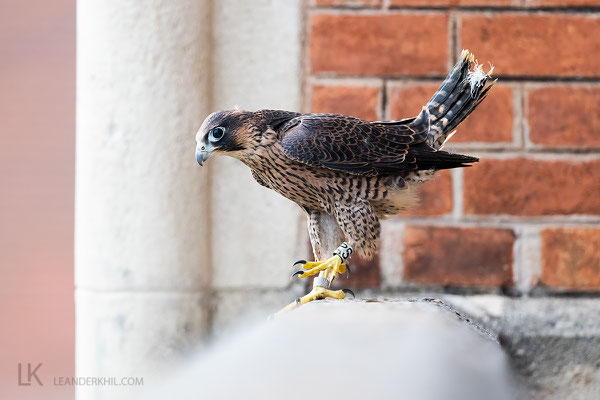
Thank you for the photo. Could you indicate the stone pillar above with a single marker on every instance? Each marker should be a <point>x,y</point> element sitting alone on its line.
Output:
<point>142,261</point>
<point>257,234</point>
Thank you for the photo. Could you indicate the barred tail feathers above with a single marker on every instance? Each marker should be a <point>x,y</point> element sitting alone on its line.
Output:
<point>459,94</point>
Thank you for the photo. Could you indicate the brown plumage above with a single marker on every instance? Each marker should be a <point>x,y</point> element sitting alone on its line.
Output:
<point>344,169</point>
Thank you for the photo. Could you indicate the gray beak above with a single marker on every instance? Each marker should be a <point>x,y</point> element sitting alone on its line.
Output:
<point>202,156</point>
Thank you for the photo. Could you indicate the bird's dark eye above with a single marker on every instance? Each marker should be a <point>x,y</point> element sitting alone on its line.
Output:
<point>216,134</point>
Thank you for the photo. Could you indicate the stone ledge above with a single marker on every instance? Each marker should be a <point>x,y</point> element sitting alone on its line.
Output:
<point>553,343</point>
<point>350,349</point>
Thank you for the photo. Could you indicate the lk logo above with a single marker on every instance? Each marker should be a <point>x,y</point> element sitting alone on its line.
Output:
<point>31,373</point>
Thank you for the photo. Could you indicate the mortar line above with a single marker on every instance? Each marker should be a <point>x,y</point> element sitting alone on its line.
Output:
<point>383,98</point>
<point>490,10</point>
<point>457,193</point>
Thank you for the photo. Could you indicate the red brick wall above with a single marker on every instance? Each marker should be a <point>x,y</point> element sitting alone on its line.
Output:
<point>527,217</point>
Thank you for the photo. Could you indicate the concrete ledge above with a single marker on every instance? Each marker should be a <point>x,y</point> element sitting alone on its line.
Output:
<point>553,343</point>
<point>350,349</point>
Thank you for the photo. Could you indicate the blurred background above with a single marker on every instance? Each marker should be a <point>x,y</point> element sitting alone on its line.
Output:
<point>522,223</point>
<point>37,178</point>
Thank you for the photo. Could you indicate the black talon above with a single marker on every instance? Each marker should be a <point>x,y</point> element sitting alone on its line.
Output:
<point>299,262</point>
<point>296,274</point>
<point>348,269</point>
<point>348,291</point>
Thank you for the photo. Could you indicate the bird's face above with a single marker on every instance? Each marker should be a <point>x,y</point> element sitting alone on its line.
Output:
<point>227,132</point>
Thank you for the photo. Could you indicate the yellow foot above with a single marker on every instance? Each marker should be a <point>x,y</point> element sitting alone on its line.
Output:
<point>333,265</point>
<point>318,293</point>
<point>327,271</point>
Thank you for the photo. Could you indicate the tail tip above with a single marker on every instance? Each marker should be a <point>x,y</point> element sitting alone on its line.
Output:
<point>467,55</point>
<point>477,79</point>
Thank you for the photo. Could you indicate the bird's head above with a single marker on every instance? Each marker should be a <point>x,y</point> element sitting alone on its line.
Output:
<point>228,132</point>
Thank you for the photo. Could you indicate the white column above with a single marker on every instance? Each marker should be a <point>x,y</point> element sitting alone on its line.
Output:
<point>142,227</point>
<point>257,234</point>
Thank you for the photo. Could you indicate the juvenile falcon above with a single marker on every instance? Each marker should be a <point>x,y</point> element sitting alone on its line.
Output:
<point>344,172</point>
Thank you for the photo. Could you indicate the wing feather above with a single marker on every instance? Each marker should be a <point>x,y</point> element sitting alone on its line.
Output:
<point>352,145</point>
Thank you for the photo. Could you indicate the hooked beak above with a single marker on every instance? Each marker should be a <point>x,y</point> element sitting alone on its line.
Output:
<point>202,154</point>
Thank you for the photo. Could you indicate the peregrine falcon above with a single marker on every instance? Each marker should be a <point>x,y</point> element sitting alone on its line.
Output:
<point>344,172</point>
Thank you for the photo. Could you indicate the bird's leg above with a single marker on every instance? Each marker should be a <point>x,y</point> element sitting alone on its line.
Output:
<point>327,271</point>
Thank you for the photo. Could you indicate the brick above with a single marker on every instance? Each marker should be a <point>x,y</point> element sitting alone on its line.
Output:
<point>491,122</point>
<point>357,101</point>
<point>571,258</point>
<point>561,3</point>
<point>435,197</point>
<point>407,101</point>
<point>348,3</point>
<point>488,3</point>
<point>532,187</point>
<point>492,3</point>
<point>458,256</point>
<point>534,45</point>
<point>379,44</point>
<point>565,116</point>
<point>441,3</point>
